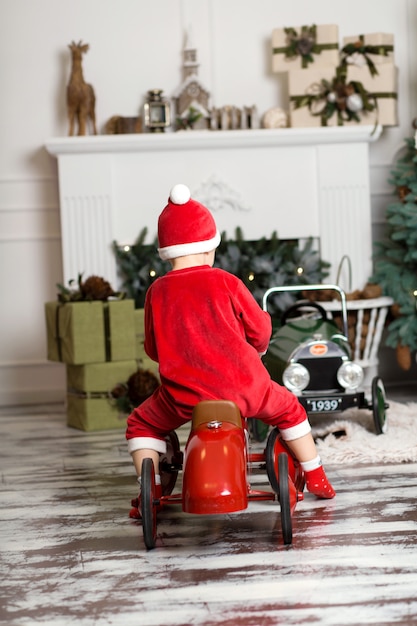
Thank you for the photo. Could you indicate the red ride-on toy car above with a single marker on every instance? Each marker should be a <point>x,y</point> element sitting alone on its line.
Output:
<point>215,465</point>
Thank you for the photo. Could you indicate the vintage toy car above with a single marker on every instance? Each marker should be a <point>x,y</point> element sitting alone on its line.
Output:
<point>311,356</point>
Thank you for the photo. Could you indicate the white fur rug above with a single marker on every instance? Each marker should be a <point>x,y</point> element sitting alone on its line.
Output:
<point>352,436</point>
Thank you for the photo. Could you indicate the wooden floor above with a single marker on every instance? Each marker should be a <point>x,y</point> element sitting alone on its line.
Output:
<point>70,554</point>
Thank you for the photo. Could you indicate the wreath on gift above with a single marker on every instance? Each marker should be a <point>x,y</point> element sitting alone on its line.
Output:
<point>303,45</point>
<point>337,97</point>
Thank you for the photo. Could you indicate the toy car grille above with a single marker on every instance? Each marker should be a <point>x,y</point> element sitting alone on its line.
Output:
<point>323,373</point>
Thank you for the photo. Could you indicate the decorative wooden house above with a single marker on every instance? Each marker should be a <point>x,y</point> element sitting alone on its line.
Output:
<point>191,99</point>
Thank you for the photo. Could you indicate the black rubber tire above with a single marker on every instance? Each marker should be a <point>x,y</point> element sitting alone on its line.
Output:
<point>148,506</point>
<point>271,461</point>
<point>284,498</point>
<point>379,406</point>
<point>278,476</point>
<point>169,462</point>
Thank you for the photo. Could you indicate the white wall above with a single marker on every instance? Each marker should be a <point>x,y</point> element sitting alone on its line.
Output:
<point>136,45</point>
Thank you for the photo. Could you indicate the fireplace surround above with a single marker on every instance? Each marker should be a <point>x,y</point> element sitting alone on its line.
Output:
<point>304,182</point>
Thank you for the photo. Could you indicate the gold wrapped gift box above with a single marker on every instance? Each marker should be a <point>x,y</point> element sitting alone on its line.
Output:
<point>90,332</point>
<point>379,47</point>
<point>384,86</point>
<point>324,50</point>
<point>305,82</point>
<point>381,90</point>
<point>90,405</point>
<point>142,358</point>
<point>87,413</point>
<point>99,377</point>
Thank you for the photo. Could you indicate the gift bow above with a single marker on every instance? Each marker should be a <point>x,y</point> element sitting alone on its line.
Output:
<point>359,47</point>
<point>303,45</point>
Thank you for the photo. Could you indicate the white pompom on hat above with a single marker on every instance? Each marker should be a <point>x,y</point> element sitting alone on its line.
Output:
<point>185,226</point>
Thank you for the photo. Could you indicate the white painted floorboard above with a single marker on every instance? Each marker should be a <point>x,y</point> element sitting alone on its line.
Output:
<point>70,555</point>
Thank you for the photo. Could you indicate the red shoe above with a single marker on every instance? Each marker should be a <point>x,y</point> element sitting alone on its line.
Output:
<point>318,484</point>
<point>135,511</point>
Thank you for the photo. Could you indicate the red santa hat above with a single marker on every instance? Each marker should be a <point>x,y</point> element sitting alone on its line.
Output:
<point>185,226</point>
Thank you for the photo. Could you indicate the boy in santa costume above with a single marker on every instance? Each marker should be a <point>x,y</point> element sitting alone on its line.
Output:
<point>207,332</point>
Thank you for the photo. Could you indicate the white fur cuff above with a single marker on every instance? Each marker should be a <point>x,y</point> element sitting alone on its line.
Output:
<point>146,443</point>
<point>295,432</point>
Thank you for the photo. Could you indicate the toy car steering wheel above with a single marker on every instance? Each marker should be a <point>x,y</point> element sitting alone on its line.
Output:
<point>306,308</point>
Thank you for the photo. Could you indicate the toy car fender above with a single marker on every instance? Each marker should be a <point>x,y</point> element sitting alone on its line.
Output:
<point>215,463</point>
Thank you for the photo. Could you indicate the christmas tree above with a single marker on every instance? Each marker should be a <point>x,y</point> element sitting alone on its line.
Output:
<point>395,258</point>
<point>139,265</point>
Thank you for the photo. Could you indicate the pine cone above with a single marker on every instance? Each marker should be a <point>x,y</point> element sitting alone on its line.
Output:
<point>371,291</point>
<point>395,310</point>
<point>403,191</point>
<point>96,288</point>
<point>354,295</point>
<point>119,391</point>
<point>141,385</point>
<point>403,357</point>
<point>319,295</point>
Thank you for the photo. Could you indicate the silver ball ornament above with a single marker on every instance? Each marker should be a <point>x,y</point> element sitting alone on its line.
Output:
<point>354,102</point>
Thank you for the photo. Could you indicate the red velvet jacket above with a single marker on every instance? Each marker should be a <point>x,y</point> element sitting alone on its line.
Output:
<point>206,331</point>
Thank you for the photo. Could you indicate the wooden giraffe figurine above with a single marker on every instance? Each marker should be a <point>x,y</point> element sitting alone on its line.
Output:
<point>81,99</point>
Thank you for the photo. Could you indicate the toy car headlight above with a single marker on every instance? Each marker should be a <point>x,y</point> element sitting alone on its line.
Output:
<point>350,375</point>
<point>296,377</point>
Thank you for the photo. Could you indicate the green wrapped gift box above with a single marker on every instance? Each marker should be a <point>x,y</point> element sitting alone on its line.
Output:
<point>99,377</point>
<point>142,358</point>
<point>89,402</point>
<point>90,332</point>
<point>93,413</point>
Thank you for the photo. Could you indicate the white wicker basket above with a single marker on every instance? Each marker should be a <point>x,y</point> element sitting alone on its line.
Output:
<point>366,353</point>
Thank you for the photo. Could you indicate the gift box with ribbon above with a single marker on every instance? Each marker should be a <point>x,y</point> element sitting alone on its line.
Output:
<point>90,403</point>
<point>345,95</point>
<point>381,89</point>
<point>308,104</point>
<point>98,378</point>
<point>140,354</point>
<point>372,50</point>
<point>305,46</point>
<point>90,332</point>
<point>93,413</point>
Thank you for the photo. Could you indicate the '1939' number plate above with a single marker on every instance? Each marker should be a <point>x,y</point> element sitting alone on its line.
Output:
<point>324,405</point>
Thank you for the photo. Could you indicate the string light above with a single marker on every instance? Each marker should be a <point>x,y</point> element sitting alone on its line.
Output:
<point>152,273</point>
<point>300,270</point>
<point>126,248</point>
<point>251,276</point>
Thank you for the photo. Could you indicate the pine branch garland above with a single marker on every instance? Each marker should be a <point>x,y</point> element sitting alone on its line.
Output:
<point>260,264</point>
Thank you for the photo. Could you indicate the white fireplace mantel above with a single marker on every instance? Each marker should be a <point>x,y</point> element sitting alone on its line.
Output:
<point>298,182</point>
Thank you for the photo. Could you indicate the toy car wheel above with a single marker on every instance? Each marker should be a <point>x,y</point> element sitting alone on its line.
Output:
<point>271,459</point>
<point>284,498</point>
<point>170,463</point>
<point>148,492</point>
<point>379,406</point>
<point>278,474</point>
